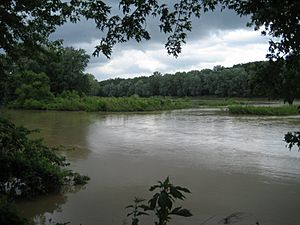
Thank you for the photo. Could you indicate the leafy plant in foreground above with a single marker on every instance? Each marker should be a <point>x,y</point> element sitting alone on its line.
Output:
<point>137,210</point>
<point>161,203</point>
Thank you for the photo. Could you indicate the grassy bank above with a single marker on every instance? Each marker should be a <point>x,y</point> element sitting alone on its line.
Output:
<point>107,104</point>
<point>217,102</point>
<point>72,101</point>
<point>264,110</point>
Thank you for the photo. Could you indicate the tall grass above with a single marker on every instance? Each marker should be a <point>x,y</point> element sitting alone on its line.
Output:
<point>264,110</point>
<point>107,104</point>
<point>216,102</point>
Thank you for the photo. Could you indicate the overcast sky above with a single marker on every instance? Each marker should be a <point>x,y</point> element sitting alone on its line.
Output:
<point>217,38</point>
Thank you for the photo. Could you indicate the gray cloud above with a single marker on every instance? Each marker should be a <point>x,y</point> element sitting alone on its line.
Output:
<point>86,32</point>
<point>211,42</point>
<point>81,32</point>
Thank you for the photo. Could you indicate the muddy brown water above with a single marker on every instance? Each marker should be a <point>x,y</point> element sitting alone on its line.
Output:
<point>230,163</point>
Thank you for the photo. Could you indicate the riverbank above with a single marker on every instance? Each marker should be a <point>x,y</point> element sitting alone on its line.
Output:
<point>74,102</point>
<point>284,110</point>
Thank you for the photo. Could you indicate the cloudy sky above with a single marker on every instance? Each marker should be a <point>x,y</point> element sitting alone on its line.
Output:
<point>217,38</point>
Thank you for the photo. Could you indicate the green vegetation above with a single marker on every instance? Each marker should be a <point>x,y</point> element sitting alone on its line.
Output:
<point>28,167</point>
<point>217,102</point>
<point>72,101</point>
<point>161,203</point>
<point>220,82</point>
<point>264,110</point>
<point>243,80</point>
<point>51,71</point>
<point>9,215</point>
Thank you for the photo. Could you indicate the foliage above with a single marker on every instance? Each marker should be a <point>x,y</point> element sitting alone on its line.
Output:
<point>28,85</point>
<point>136,210</point>
<point>72,101</point>
<point>29,167</point>
<point>254,79</point>
<point>9,215</point>
<point>292,139</point>
<point>279,19</point>
<point>161,203</point>
<point>64,68</point>
<point>217,102</point>
<point>264,110</point>
<point>94,85</point>
<point>29,22</point>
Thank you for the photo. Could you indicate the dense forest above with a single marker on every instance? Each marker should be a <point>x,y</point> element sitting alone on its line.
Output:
<point>242,80</point>
<point>56,70</point>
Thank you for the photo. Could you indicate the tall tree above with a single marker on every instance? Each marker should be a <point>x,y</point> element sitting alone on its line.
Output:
<point>64,67</point>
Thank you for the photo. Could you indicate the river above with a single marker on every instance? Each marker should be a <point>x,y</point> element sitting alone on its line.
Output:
<point>230,164</point>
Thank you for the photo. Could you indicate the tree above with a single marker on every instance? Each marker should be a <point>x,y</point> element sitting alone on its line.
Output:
<point>279,19</point>
<point>67,72</point>
<point>94,85</point>
<point>27,85</point>
<point>63,66</point>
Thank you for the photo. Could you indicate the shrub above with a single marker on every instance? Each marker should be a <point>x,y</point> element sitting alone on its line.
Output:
<point>162,203</point>
<point>9,215</point>
<point>28,167</point>
<point>264,110</point>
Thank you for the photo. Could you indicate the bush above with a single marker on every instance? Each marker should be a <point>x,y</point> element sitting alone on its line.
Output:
<point>264,110</point>
<point>28,85</point>
<point>28,167</point>
<point>9,215</point>
<point>162,203</point>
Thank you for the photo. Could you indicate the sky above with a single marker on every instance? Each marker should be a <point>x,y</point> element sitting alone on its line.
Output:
<point>217,38</point>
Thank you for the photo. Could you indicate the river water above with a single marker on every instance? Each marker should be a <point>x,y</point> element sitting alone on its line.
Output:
<point>230,164</point>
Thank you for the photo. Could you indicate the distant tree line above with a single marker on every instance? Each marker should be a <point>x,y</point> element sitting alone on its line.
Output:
<point>255,79</point>
<point>54,70</point>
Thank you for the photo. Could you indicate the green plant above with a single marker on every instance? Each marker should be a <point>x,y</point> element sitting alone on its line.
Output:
<point>264,110</point>
<point>136,210</point>
<point>161,203</point>
<point>28,167</point>
<point>9,215</point>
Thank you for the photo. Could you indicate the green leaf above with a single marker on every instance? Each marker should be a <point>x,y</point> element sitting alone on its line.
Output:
<point>153,201</point>
<point>164,201</point>
<point>175,193</point>
<point>179,211</point>
<point>183,189</point>
<point>129,214</point>
<point>166,182</point>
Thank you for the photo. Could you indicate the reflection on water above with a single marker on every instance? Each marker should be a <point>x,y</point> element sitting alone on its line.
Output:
<point>230,163</point>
